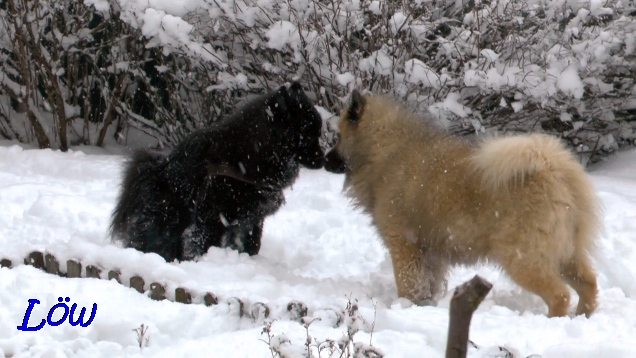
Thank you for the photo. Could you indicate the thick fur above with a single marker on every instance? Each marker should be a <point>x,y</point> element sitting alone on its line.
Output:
<point>522,202</point>
<point>219,184</point>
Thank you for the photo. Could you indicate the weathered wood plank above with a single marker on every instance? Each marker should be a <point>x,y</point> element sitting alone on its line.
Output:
<point>210,299</point>
<point>93,271</point>
<point>182,295</point>
<point>137,283</point>
<point>157,291</point>
<point>114,275</point>
<point>73,268</point>
<point>35,259</point>
<point>6,263</point>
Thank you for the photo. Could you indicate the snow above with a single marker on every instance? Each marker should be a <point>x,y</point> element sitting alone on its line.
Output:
<point>565,117</point>
<point>397,22</point>
<point>378,62</point>
<point>345,78</point>
<point>282,33</point>
<point>374,7</point>
<point>451,104</point>
<point>100,5</point>
<point>517,106</point>
<point>162,22</point>
<point>317,249</point>
<point>418,72</point>
<point>630,44</point>
<point>570,83</point>
<point>596,6</point>
<point>490,54</point>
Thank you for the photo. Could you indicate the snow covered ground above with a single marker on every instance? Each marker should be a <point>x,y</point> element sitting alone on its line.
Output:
<point>317,249</point>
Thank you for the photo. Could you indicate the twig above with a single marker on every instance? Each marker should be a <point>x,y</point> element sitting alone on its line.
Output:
<point>141,336</point>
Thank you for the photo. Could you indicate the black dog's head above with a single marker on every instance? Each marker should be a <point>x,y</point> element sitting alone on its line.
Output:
<point>303,125</point>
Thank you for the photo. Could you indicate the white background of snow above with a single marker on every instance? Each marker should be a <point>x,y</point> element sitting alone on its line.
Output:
<point>316,249</point>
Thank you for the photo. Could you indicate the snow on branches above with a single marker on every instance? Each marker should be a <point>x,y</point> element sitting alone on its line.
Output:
<point>557,66</point>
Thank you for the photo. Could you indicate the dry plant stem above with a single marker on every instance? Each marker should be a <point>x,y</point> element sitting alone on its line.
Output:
<point>120,89</point>
<point>141,336</point>
<point>465,301</point>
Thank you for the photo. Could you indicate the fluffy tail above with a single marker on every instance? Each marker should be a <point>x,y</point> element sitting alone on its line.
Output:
<point>508,161</point>
<point>139,174</point>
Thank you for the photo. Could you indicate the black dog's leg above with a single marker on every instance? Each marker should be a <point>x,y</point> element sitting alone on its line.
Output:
<point>247,234</point>
<point>235,236</point>
<point>206,231</point>
<point>252,238</point>
<point>228,217</point>
<point>206,227</point>
<point>153,231</point>
<point>242,236</point>
<point>211,230</point>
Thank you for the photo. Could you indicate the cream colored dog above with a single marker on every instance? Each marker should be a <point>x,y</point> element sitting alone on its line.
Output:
<point>522,202</point>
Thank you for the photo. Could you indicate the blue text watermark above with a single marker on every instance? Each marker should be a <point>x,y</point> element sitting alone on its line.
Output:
<point>68,313</point>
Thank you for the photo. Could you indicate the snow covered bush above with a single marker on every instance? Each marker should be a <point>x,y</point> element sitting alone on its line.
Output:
<point>73,73</point>
<point>565,67</point>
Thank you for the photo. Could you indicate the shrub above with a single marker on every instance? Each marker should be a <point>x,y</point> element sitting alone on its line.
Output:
<point>557,66</point>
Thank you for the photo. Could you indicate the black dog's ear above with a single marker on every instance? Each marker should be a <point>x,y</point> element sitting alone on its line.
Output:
<point>282,92</point>
<point>280,100</point>
<point>296,86</point>
<point>356,107</point>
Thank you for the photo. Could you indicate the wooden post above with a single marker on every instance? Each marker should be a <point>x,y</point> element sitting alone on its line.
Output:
<point>260,312</point>
<point>210,299</point>
<point>157,291</point>
<point>51,265</point>
<point>114,275</point>
<point>236,306</point>
<point>5,263</point>
<point>73,268</point>
<point>137,283</point>
<point>464,302</point>
<point>182,295</point>
<point>35,259</point>
<point>297,310</point>
<point>93,271</point>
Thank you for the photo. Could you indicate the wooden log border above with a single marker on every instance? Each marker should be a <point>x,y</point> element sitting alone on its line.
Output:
<point>156,290</point>
<point>257,311</point>
<point>464,302</point>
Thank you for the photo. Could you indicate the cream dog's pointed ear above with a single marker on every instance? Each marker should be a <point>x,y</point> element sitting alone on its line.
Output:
<point>356,107</point>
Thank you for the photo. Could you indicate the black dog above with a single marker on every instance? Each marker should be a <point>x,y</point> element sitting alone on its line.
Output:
<point>218,185</point>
